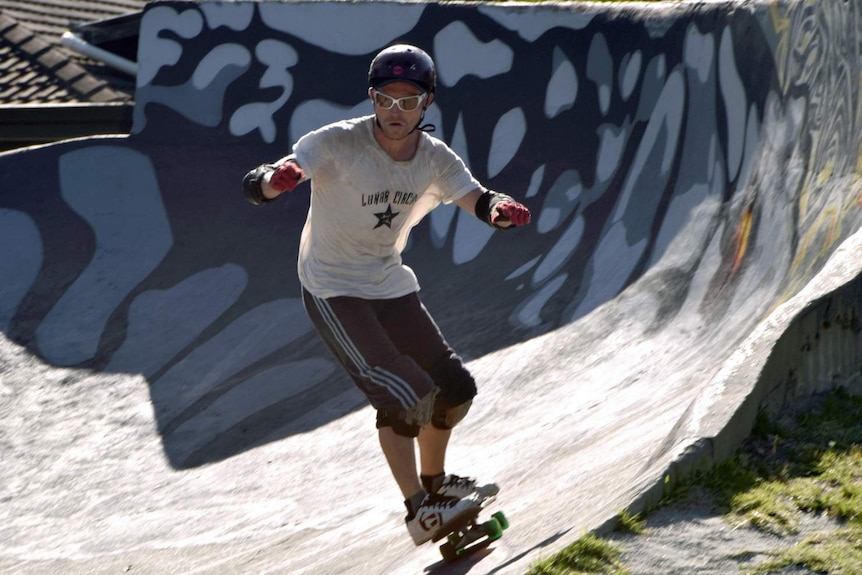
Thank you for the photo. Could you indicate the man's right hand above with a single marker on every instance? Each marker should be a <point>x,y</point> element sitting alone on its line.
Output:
<point>286,177</point>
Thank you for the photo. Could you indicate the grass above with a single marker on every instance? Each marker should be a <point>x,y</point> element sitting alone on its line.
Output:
<point>632,524</point>
<point>836,552</point>
<point>810,464</point>
<point>587,555</point>
<point>813,465</point>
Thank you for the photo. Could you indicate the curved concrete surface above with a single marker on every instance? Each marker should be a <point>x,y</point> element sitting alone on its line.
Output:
<point>167,408</point>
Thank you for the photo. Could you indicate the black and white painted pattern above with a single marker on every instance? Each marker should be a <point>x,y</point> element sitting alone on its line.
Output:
<point>716,148</point>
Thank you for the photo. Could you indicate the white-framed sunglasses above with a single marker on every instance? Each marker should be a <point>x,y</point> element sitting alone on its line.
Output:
<point>405,104</point>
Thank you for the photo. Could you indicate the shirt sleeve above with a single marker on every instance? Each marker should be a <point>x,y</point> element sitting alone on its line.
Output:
<point>455,179</point>
<point>311,151</point>
<point>302,151</point>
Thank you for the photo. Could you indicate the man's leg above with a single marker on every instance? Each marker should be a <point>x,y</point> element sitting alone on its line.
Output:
<point>417,335</point>
<point>432,449</point>
<point>396,385</point>
<point>401,456</point>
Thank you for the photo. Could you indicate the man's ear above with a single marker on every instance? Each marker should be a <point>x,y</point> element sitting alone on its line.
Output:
<point>429,100</point>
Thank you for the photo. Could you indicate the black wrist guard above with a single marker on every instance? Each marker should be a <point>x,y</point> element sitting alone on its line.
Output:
<point>485,206</point>
<point>251,184</point>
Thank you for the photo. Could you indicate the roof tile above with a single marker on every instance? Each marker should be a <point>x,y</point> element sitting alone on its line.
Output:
<point>35,67</point>
<point>17,34</point>
<point>51,18</point>
<point>51,59</point>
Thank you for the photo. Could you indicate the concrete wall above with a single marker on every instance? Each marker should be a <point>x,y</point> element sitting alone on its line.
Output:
<point>731,128</point>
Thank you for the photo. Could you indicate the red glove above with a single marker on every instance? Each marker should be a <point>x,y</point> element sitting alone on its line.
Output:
<point>510,211</point>
<point>286,176</point>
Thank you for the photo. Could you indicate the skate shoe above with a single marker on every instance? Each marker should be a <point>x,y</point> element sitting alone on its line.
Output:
<point>435,512</point>
<point>461,487</point>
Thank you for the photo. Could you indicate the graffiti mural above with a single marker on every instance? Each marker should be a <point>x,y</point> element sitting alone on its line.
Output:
<point>716,149</point>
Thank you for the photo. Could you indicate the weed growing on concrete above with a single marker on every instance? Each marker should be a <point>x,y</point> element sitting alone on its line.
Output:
<point>837,552</point>
<point>631,524</point>
<point>587,555</point>
<point>810,464</point>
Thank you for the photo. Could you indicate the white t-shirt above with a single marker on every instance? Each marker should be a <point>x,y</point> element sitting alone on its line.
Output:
<point>363,206</point>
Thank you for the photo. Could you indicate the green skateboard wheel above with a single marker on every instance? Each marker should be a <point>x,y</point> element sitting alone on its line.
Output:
<point>501,519</point>
<point>493,529</point>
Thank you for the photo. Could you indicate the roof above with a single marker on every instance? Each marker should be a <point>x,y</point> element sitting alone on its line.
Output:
<point>50,18</point>
<point>36,68</point>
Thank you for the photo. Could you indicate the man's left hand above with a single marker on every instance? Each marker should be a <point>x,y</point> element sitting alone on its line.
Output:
<point>513,212</point>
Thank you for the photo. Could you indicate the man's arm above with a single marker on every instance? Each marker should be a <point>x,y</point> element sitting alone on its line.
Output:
<point>498,210</point>
<point>468,202</point>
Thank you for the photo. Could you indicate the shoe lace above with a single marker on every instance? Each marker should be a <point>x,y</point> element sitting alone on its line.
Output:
<point>439,502</point>
<point>456,481</point>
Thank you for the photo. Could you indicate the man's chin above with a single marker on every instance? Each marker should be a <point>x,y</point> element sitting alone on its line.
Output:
<point>393,130</point>
<point>397,133</point>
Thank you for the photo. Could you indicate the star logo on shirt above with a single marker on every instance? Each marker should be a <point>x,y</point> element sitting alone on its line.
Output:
<point>385,218</point>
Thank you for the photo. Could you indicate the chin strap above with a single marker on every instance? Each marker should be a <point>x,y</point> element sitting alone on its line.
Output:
<point>423,127</point>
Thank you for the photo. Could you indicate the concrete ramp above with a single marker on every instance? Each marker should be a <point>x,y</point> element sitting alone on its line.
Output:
<point>693,171</point>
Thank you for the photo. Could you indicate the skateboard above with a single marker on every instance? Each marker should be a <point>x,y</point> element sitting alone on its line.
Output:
<point>467,534</point>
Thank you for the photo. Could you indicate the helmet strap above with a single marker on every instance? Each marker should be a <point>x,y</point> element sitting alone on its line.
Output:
<point>424,127</point>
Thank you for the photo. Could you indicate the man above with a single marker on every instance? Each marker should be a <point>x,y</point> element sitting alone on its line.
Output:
<point>372,179</point>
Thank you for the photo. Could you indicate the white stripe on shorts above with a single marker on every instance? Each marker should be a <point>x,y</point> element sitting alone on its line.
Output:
<point>394,384</point>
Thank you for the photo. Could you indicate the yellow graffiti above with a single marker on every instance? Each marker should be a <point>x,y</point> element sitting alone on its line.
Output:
<point>829,219</point>
<point>781,25</point>
<point>828,196</point>
<point>826,172</point>
<point>743,233</point>
<point>859,151</point>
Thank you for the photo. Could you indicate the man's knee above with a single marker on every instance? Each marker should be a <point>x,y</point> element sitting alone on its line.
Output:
<point>444,416</point>
<point>395,419</point>
<point>408,422</point>
<point>456,383</point>
<point>457,388</point>
<point>447,416</point>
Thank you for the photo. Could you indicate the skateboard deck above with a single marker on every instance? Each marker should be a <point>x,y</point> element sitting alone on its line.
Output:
<point>467,534</point>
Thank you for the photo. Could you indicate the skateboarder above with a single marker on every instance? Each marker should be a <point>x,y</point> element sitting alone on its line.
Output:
<point>372,179</point>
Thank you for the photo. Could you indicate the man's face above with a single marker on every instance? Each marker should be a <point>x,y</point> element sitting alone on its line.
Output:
<point>398,121</point>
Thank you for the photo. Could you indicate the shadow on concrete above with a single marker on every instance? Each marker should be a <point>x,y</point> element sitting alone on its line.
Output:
<point>675,166</point>
<point>691,170</point>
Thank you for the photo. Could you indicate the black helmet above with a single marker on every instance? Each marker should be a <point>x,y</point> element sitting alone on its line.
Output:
<point>403,63</point>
